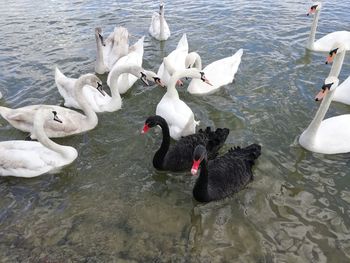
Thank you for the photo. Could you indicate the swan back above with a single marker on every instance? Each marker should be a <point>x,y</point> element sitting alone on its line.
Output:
<point>159,28</point>
<point>176,58</point>
<point>225,175</point>
<point>29,158</point>
<point>193,60</point>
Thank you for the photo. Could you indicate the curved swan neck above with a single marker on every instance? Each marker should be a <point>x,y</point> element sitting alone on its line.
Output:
<point>310,43</point>
<point>198,61</point>
<point>337,64</point>
<point>171,89</point>
<point>161,20</point>
<point>159,156</point>
<point>85,106</point>
<point>311,131</point>
<point>38,130</point>
<point>116,73</point>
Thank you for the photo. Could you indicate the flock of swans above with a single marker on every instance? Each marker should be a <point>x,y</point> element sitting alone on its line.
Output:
<point>219,176</point>
<point>332,135</point>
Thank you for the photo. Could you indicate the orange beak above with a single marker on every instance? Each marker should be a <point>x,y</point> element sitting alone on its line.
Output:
<point>321,95</point>
<point>329,59</point>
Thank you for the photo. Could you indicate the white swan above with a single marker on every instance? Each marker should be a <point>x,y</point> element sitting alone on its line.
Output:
<point>177,114</point>
<point>220,72</point>
<point>328,136</point>
<point>176,58</point>
<point>135,57</point>
<point>325,43</point>
<point>66,87</point>
<point>337,54</point>
<point>159,28</point>
<point>98,100</point>
<point>111,50</point>
<point>29,158</point>
<point>73,122</point>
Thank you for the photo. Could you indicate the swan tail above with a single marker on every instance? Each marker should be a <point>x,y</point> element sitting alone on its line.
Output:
<point>235,62</point>
<point>196,123</point>
<point>59,76</point>
<point>216,140</point>
<point>249,153</point>
<point>238,54</point>
<point>183,44</point>
<point>120,46</point>
<point>138,46</point>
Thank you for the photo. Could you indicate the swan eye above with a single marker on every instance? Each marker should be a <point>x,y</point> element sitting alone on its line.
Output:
<point>333,52</point>
<point>202,76</point>
<point>54,113</point>
<point>144,78</point>
<point>327,86</point>
<point>101,38</point>
<point>313,7</point>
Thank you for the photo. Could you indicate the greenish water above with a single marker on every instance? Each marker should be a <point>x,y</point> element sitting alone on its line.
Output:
<point>111,205</point>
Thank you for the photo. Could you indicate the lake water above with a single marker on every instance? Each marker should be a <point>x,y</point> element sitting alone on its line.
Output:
<point>111,205</point>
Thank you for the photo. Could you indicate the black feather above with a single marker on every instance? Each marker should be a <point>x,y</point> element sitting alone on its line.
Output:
<point>226,174</point>
<point>178,157</point>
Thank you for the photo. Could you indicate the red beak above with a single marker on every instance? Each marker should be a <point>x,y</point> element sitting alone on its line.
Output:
<point>145,129</point>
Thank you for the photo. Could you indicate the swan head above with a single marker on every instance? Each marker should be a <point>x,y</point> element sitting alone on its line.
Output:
<point>190,60</point>
<point>199,154</point>
<point>161,8</point>
<point>92,80</point>
<point>98,35</point>
<point>336,48</point>
<point>44,115</point>
<point>314,8</point>
<point>330,84</point>
<point>147,75</point>
<point>151,122</point>
<point>197,74</point>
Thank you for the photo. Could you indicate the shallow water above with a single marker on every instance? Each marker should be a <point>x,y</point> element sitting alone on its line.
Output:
<point>111,205</point>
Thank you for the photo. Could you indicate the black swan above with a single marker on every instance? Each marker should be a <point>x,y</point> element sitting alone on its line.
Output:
<point>225,175</point>
<point>178,157</point>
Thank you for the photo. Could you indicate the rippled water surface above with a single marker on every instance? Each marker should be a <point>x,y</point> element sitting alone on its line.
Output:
<point>111,205</point>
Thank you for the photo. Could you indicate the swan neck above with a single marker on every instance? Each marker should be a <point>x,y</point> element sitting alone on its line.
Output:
<point>201,186</point>
<point>115,75</point>
<point>159,156</point>
<point>312,35</point>
<point>311,131</point>
<point>337,64</point>
<point>99,55</point>
<point>85,106</point>
<point>198,62</point>
<point>171,89</point>
<point>41,136</point>
<point>161,21</point>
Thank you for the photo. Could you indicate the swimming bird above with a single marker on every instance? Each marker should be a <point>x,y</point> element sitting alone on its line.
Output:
<point>329,136</point>
<point>29,158</point>
<point>225,175</point>
<point>99,100</point>
<point>73,121</point>
<point>178,156</point>
<point>176,61</point>
<point>176,112</point>
<point>111,50</point>
<point>159,28</point>
<point>220,72</point>
<point>325,43</point>
<point>134,57</point>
